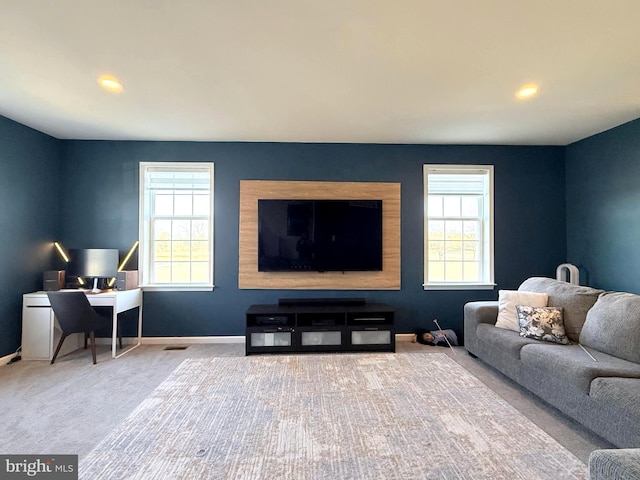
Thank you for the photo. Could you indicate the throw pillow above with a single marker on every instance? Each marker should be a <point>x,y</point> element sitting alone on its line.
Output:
<point>542,323</point>
<point>575,300</point>
<point>507,301</point>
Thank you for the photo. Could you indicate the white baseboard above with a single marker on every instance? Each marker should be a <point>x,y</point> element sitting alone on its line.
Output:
<point>192,340</point>
<point>175,340</point>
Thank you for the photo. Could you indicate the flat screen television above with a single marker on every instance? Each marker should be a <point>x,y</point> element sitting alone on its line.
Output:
<point>93,264</point>
<point>319,235</point>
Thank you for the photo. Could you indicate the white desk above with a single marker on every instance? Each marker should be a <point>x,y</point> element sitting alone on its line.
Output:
<point>40,333</point>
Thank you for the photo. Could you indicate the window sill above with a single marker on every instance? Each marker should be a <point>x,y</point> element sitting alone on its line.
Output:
<point>177,288</point>
<point>459,286</point>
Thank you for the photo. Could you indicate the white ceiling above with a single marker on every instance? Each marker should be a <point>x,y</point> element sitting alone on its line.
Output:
<point>379,71</point>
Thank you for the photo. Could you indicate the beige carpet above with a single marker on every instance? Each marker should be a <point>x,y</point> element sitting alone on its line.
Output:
<point>348,416</point>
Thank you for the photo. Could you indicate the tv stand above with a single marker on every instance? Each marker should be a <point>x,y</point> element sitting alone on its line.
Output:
<point>320,325</point>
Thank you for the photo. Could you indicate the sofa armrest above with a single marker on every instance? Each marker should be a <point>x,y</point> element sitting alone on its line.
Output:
<point>476,313</point>
<point>614,464</point>
<point>480,312</point>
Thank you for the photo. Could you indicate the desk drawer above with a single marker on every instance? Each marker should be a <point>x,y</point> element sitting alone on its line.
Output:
<point>35,302</point>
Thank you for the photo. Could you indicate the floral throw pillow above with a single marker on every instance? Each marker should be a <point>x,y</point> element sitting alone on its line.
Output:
<point>542,323</point>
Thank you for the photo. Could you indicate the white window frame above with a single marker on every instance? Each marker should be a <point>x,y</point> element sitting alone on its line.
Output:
<point>487,227</point>
<point>145,225</point>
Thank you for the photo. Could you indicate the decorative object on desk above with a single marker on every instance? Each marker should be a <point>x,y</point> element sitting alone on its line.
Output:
<point>76,315</point>
<point>61,251</point>
<point>126,258</point>
<point>126,279</point>
<point>53,280</point>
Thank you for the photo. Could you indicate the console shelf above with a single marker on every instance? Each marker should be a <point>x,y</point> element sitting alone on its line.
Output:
<point>321,327</point>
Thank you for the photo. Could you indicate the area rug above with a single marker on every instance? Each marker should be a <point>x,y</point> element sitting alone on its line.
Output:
<point>347,416</point>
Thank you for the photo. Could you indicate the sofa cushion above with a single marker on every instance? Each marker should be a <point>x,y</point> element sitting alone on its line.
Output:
<point>613,326</point>
<point>618,394</point>
<point>507,302</point>
<point>575,300</point>
<point>542,323</point>
<point>500,339</point>
<point>500,348</point>
<point>572,365</point>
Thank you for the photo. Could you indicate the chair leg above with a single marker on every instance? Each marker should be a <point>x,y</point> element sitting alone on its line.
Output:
<point>119,336</point>
<point>58,348</point>
<point>86,336</point>
<point>93,346</point>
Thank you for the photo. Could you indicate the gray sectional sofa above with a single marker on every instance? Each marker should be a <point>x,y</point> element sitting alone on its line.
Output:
<point>620,464</point>
<point>601,394</point>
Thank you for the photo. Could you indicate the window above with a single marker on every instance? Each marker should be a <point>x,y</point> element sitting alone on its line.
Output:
<point>176,225</point>
<point>458,226</point>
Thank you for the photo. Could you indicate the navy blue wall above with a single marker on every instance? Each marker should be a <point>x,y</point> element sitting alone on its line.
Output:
<point>85,193</point>
<point>603,208</point>
<point>100,209</point>
<point>29,193</point>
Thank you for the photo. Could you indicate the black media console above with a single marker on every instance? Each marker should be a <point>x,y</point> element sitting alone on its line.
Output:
<point>320,325</point>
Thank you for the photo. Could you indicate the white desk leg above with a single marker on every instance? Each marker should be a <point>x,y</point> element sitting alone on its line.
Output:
<point>114,336</point>
<point>140,323</point>
<point>127,350</point>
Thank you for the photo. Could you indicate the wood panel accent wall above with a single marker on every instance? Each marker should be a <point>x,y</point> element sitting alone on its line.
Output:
<point>250,278</point>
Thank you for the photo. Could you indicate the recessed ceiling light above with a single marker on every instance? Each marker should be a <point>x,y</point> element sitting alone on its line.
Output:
<point>110,83</point>
<point>527,91</point>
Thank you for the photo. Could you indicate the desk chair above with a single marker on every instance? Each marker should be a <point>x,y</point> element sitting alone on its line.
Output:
<point>76,315</point>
